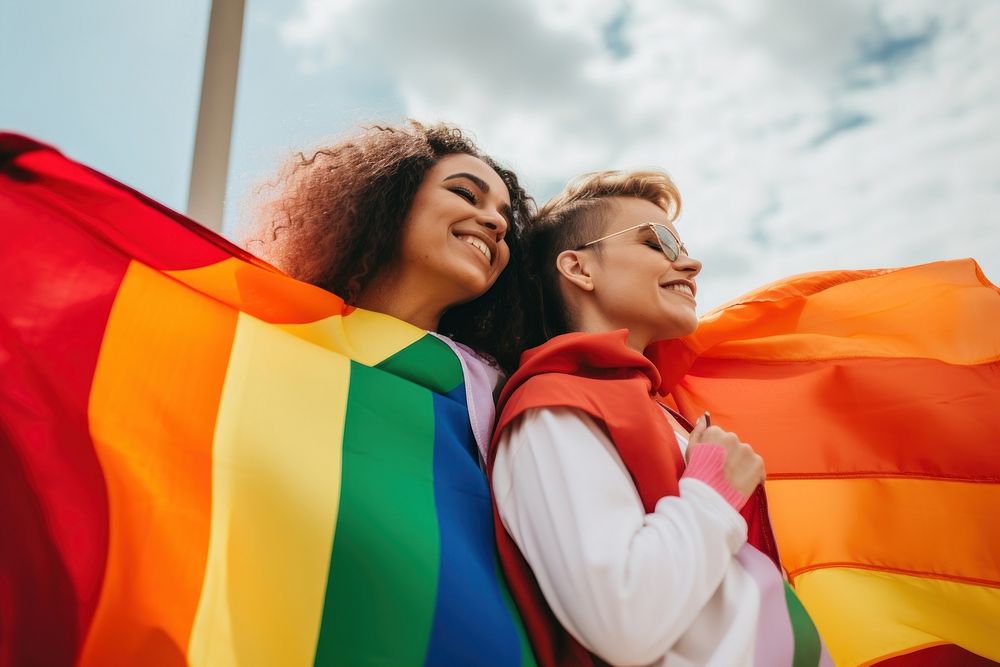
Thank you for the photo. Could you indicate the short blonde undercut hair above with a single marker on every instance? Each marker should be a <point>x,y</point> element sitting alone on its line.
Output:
<point>653,186</point>
<point>573,217</point>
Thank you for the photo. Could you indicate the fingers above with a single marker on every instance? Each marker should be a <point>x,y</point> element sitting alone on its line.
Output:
<point>720,436</point>
<point>699,430</point>
<point>704,431</point>
<point>744,468</point>
<point>757,464</point>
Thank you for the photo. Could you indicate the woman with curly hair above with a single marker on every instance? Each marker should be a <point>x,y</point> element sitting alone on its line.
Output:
<point>412,221</point>
<point>417,223</point>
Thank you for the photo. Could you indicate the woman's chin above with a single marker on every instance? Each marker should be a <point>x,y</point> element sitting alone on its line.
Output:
<point>692,324</point>
<point>677,329</point>
<point>472,282</point>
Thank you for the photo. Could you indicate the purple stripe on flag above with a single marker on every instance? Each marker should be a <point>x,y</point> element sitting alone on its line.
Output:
<point>775,644</point>
<point>824,657</point>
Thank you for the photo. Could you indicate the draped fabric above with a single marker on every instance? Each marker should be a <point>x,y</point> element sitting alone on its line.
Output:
<point>203,461</point>
<point>874,398</point>
<point>598,375</point>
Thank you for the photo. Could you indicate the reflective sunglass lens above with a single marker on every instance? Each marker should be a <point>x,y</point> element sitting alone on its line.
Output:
<point>669,242</point>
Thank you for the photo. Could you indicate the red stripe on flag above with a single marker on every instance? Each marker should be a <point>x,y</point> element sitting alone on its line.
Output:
<point>116,215</point>
<point>59,284</point>
<point>941,655</point>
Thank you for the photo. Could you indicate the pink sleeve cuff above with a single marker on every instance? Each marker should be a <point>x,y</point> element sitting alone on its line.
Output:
<point>705,465</point>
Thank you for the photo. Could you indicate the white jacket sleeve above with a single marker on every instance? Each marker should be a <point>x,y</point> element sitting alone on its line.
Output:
<point>625,583</point>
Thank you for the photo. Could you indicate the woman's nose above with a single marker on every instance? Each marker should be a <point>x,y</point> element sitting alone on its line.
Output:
<point>689,264</point>
<point>496,223</point>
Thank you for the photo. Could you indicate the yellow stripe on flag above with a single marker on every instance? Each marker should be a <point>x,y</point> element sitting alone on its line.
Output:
<point>276,487</point>
<point>367,337</point>
<point>865,615</point>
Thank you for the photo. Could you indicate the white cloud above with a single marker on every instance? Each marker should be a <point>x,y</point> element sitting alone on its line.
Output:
<point>847,134</point>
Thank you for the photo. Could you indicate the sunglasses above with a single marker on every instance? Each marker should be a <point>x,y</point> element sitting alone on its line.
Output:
<point>670,245</point>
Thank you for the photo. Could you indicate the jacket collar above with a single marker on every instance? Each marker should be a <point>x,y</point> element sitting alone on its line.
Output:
<point>604,355</point>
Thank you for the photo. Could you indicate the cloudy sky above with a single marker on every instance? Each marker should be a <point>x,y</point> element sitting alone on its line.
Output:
<point>803,136</point>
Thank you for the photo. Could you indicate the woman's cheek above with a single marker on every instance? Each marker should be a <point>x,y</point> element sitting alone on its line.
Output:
<point>504,258</point>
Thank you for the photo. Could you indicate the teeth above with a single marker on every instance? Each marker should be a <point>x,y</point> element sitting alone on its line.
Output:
<point>479,245</point>
<point>680,287</point>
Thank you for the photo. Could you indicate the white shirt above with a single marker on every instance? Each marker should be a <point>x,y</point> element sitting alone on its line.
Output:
<point>634,588</point>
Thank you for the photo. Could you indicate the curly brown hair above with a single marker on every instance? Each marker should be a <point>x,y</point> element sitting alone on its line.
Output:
<point>335,217</point>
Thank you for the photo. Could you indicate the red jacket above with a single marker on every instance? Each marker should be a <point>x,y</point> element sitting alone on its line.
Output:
<point>616,386</point>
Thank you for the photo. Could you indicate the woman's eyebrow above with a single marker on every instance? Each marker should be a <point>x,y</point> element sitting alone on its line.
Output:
<point>480,183</point>
<point>647,232</point>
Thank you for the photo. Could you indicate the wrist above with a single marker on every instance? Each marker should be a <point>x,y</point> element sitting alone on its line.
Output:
<point>707,464</point>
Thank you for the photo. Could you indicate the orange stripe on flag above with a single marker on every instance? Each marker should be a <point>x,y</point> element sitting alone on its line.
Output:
<point>848,417</point>
<point>164,346</point>
<point>864,314</point>
<point>925,527</point>
<point>267,294</point>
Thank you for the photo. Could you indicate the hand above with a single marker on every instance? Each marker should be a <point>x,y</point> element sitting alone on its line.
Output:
<point>744,468</point>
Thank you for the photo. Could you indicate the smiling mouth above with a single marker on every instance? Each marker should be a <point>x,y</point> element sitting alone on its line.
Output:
<point>680,287</point>
<point>478,244</point>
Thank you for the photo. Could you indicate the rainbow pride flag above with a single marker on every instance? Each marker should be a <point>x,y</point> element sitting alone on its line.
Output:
<point>874,397</point>
<point>205,462</point>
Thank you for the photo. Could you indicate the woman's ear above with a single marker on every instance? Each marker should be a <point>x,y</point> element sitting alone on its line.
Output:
<point>575,267</point>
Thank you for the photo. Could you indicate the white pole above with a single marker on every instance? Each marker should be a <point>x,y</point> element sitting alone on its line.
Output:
<point>210,165</point>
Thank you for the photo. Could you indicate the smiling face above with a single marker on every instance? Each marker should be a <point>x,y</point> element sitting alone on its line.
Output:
<point>628,281</point>
<point>453,243</point>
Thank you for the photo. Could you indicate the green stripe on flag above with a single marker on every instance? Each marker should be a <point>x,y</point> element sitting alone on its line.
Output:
<point>807,647</point>
<point>382,587</point>
<point>428,362</point>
